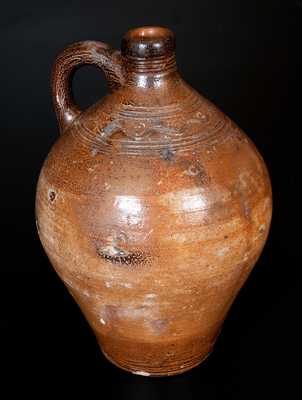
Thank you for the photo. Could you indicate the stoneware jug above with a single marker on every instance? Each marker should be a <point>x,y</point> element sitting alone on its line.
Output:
<point>152,206</point>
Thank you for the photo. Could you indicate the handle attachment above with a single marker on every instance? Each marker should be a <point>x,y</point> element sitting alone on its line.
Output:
<point>72,58</point>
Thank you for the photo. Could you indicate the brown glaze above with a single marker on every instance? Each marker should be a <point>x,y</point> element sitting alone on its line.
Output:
<point>153,206</point>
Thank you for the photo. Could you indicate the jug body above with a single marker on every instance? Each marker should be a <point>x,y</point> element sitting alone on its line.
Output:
<point>153,206</point>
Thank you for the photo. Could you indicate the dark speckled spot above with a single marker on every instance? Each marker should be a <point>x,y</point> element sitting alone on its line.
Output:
<point>167,154</point>
<point>116,255</point>
<point>52,195</point>
<point>197,171</point>
<point>262,229</point>
<point>94,151</point>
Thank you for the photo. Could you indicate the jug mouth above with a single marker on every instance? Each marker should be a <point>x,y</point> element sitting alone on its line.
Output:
<point>148,42</point>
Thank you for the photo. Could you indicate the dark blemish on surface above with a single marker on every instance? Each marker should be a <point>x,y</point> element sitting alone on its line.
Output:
<point>202,175</point>
<point>198,171</point>
<point>116,255</point>
<point>193,170</point>
<point>225,236</point>
<point>262,229</point>
<point>130,259</point>
<point>167,154</point>
<point>52,195</point>
<point>108,130</point>
<point>94,151</point>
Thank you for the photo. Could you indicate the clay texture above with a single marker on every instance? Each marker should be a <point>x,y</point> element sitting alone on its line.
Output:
<point>152,206</point>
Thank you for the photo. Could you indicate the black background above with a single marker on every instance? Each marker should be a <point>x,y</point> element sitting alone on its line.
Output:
<point>236,53</point>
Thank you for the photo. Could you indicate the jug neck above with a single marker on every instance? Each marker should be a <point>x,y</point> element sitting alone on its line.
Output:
<point>149,57</point>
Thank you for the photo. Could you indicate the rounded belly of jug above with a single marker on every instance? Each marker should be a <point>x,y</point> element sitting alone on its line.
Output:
<point>154,275</point>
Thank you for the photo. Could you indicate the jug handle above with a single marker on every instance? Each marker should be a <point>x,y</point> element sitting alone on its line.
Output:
<point>72,58</point>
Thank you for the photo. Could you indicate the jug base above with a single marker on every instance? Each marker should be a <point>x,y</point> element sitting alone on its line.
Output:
<point>162,372</point>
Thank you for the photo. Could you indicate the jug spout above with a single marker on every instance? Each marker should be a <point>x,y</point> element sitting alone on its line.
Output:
<point>148,51</point>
